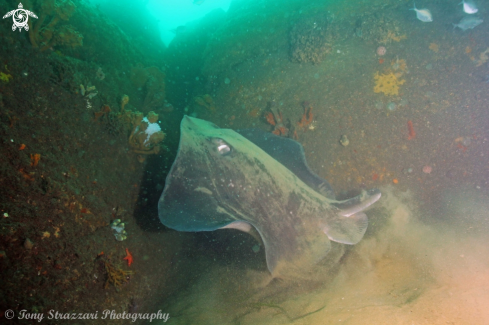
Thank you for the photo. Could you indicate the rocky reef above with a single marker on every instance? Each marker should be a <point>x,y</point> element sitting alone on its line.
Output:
<point>152,81</point>
<point>49,30</point>
<point>383,29</point>
<point>310,39</point>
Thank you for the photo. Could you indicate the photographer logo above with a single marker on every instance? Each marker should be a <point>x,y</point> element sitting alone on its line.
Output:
<point>20,17</point>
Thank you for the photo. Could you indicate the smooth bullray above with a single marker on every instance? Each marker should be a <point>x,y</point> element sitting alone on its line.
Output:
<point>258,183</point>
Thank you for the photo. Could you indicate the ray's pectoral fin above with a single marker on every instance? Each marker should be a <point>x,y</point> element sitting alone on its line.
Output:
<point>245,227</point>
<point>347,230</point>
<point>351,223</point>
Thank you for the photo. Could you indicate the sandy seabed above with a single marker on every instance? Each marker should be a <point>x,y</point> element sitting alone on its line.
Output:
<point>406,272</point>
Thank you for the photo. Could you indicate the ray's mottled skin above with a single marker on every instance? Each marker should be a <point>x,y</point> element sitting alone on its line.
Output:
<point>220,179</point>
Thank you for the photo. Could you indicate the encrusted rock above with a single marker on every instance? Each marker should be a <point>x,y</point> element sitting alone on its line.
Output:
<point>310,40</point>
<point>344,140</point>
<point>28,244</point>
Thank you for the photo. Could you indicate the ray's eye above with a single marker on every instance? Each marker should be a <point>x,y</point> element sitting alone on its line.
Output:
<point>222,147</point>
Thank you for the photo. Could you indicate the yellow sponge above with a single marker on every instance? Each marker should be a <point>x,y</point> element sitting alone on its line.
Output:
<point>387,84</point>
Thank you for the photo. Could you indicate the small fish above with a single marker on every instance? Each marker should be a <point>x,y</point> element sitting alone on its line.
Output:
<point>178,30</point>
<point>468,22</point>
<point>198,2</point>
<point>423,14</point>
<point>469,7</point>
